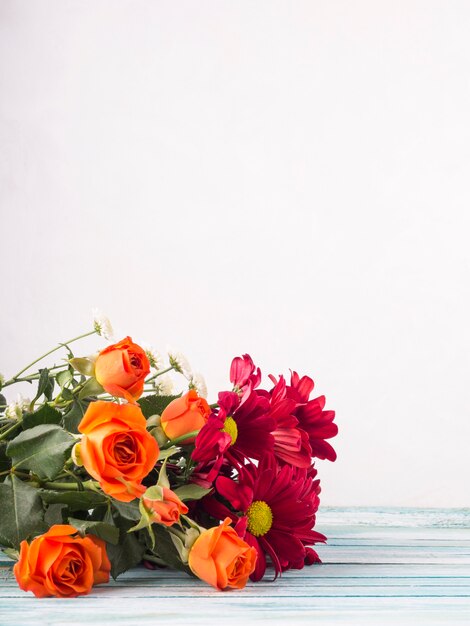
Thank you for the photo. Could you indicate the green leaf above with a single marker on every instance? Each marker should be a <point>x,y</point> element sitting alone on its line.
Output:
<point>45,385</point>
<point>45,415</point>
<point>191,492</point>
<point>3,403</point>
<point>41,449</point>
<point>167,550</point>
<point>90,388</point>
<point>66,394</point>
<point>21,512</point>
<point>55,514</point>
<point>102,530</point>
<point>127,510</point>
<point>127,554</point>
<point>74,416</point>
<point>64,378</point>
<point>75,500</point>
<point>154,405</point>
<point>165,454</point>
<point>11,553</point>
<point>5,462</point>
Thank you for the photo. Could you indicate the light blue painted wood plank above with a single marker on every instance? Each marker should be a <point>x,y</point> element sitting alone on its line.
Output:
<point>231,609</point>
<point>395,517</point>
<point>382,567</point>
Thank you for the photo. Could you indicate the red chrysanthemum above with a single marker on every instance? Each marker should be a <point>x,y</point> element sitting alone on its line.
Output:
<point>244,375</point>
<point>279,505</point>
<point>236,430</point>
<point>316,422</point>
<point>291,444</point>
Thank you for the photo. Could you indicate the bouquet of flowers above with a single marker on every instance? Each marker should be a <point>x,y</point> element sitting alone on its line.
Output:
<point>107,467</point>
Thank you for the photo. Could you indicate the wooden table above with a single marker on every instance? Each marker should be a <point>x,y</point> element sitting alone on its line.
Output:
<point>381,566</point>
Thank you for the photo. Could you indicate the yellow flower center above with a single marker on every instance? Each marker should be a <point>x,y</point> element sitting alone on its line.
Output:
<point>260,518</point>
<point>230,427</point>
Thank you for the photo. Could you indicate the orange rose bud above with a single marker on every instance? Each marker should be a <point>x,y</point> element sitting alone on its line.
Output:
<point>61,563</point>
<point>116,448</point>
<point>221,558</point>
<point>185,415</point>
<point>165,510</point>
<point>122,368</point>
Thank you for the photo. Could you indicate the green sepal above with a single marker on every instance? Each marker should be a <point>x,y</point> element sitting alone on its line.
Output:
<point>166,454</point>
<point>84,365</point>
<point>167,551</point>
<point>184,548</point>
<point>162,477</point>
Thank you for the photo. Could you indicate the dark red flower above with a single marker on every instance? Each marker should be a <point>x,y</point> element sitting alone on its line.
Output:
<point>291,443</point>
<point>244,375</point>
<point>316,422</point>
<point>279,503</point>
<point>236,430</point>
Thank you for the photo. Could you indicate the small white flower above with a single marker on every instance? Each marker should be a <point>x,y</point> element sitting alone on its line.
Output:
<point>163,385</point>
<point>198,383</point>
<point>154,356</point>
<point>180,363</point>
<point>15,409</point>
<point>102,325</point>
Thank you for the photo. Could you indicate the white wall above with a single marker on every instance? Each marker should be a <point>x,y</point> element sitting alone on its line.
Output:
<point>285,178</point>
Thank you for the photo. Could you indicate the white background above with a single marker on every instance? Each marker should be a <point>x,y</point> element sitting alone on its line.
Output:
<point>285,178</point>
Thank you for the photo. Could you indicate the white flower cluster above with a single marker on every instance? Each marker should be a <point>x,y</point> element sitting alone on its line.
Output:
<point>102,325</point>
<point>154,357</point>
<point>180,363</point>
<point>14,410</point>
<point>198,383</point>
<point>163,385</point>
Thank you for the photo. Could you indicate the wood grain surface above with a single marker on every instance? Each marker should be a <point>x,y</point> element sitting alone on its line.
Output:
<point>381,566</point>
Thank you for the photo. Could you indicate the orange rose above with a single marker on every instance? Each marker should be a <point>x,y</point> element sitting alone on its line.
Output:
<point>166,508</point>
<point>221,558</point>
<point>116,448</point>
<point>121,369</point>
<point>61,563</point>
<point>185,415</point>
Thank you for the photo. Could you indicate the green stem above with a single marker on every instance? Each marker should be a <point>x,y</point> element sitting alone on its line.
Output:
<point>89,485</point>
<point>174,442</point>
<point>27,379</point>
<point>14,378</point>
<point>168,369</point>
<point>178,533</point>
<point>5,434</point>
<point>16,473</point>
